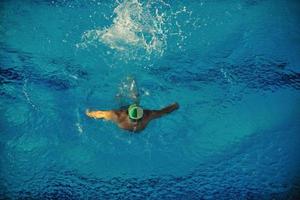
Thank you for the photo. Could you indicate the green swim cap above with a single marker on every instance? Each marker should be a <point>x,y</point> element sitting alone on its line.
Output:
<point>135,112</point>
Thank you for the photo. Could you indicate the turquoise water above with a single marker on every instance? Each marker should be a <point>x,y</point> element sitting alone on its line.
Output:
<point>233,66</point>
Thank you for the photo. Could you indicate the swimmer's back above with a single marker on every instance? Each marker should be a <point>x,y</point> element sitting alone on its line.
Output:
<point>126,123</point>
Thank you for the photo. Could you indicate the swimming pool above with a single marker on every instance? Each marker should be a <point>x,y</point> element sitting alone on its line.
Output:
<point>233,66</point>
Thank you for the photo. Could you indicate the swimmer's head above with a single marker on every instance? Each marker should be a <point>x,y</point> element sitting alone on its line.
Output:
<point>135,112</point>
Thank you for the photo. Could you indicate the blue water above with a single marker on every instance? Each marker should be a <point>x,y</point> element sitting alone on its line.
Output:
<point>233,66</point>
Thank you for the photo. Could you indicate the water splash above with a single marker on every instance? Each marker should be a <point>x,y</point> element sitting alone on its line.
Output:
<point>128,92</point>
<point>78,124</point>
<point>137,29</point>
<point>25,92</point>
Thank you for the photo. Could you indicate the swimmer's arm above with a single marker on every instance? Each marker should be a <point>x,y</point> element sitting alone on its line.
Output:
<point>99,114</point>
<point>159,113</point>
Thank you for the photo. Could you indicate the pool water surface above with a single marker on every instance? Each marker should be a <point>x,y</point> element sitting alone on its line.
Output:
<point>233,67</point>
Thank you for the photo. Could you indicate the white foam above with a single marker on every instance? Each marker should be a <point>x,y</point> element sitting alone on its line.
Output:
<point>133,28</point>
<point>79,128</point>
<point>136,27</point>
<point>27,95</point>
<point>78,123</point>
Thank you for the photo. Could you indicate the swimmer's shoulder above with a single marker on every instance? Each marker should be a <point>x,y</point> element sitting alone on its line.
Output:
<point>120,115</point>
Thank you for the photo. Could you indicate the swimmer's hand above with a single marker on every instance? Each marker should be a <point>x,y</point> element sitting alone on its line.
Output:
<point>175,105</point>
<point>90,114</point>
<point>94,114</point>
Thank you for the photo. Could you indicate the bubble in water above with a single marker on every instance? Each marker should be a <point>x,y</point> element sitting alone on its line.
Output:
<point>128,92</point>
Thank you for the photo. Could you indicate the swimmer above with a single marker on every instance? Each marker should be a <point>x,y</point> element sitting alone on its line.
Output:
<point>134,118</point>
